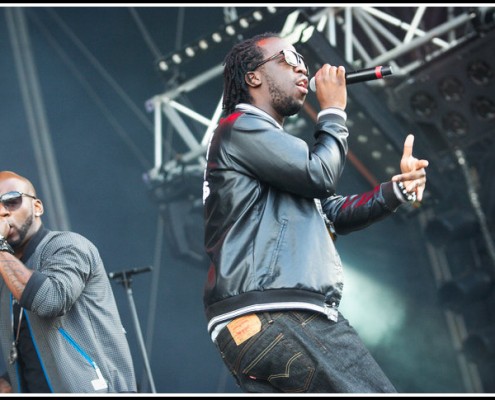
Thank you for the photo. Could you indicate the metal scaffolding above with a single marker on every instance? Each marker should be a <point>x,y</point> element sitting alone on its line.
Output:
<point>407,38</point>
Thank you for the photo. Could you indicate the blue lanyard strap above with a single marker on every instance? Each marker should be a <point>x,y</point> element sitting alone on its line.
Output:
<point>76,346</point>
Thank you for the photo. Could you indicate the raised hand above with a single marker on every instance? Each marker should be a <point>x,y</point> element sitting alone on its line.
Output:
<point>413,174</point>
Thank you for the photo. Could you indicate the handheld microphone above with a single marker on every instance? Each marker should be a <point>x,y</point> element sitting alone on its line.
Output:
<point>133,271</point>
<point>361,75</point>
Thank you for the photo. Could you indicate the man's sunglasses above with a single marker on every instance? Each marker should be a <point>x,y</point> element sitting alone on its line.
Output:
<point>291,57</point>
<point>13,200</point>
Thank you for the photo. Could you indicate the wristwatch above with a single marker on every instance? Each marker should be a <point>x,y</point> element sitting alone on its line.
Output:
<point>5,246</point>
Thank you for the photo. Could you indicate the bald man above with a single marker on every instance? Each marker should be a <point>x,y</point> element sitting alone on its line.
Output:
<point>60,329</point>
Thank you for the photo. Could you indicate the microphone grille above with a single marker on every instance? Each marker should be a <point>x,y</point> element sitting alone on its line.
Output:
<point>312,84</point>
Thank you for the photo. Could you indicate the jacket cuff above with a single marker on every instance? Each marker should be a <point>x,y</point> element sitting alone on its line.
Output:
<point>32,286</point>
<point>332,111</point>
<point>392,201</point>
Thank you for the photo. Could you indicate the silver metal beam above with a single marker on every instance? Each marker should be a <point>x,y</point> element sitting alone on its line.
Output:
<point>54,200</point>
<point>387,48</point>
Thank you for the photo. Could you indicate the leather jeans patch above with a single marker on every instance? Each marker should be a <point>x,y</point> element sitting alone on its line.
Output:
<point>244,327</point>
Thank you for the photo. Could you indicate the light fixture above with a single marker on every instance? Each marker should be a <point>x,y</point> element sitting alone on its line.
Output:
<point>257,15</point>
<point>451,225</point>
<point>376,154</point>
<point>179,199</point>
<point>217,38</point>
<point>244,23</point>
<point>484,19</point>
<point>224,33</point>
<point>458,102</point>
<point>483,108</point>
<point>189,51</point>
<point>480,72</point>
<point>471,286</point>
<point>423,104</point>
<point>451,89</point>
<point>163,66</point>
<point>479,346</point>
<point>455,125</point>
<point>176,58</point>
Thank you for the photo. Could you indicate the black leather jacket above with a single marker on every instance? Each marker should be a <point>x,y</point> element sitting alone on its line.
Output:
<point>268,243</point>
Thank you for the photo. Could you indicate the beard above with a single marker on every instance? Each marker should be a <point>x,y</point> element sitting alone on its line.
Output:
<point>22,232</point>
<point>283,104</point>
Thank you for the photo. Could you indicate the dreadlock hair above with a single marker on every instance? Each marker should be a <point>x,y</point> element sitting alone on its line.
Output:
<point>239,60</point>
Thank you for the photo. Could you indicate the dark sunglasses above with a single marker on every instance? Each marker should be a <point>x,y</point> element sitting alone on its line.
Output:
<point>291,57</point>
<point>13,200</point>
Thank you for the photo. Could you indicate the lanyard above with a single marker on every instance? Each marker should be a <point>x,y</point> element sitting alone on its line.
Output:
<point>13,355</point>
<point>18,326</point>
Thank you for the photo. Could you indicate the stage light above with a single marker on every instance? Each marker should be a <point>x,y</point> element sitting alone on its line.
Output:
<point>452,97</point>
<point>176,58</point>
<point>423,104</point>
<point>203,44</point>
<point>485,19</point>
<point>483,108</point>
<point>179,199</point>
<point>455,125</point>
<point>480,346</point>
<point>217,38</point>
<point>390,170</point>
<point>230,30</point>
<point>450,226</point>
<point>224,33</point>
<point>190,52</point>
<point>480,72</point>
<point>184,229</point>
<point>362,138</point>
<point>163,66</point>
<point>244,23</point>
<point>451,88</point>
<point>470,287</point>
<point>376,154</point>
<point>257,15</point>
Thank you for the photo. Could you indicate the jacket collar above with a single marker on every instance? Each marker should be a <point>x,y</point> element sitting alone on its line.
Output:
<point>245,107</point>
<point>33,243</point>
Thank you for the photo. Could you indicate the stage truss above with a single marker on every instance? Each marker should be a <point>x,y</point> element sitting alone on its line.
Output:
<point>409,39</point>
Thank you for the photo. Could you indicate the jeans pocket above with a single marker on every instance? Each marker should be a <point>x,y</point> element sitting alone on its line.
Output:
<point>281,362</point>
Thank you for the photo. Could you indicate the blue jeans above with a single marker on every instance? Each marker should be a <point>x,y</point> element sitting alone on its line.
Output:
<point>302,352</point>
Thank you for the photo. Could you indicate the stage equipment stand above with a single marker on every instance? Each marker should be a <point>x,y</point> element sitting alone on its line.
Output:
<point>125,278</point>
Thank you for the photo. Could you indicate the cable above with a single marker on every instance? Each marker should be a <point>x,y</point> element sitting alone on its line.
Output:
<point>146,36</point>
<point>93,95</point>
<point>141,116</point>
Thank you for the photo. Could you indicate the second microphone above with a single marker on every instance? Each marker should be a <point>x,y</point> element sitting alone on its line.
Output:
<point>362,75</point>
